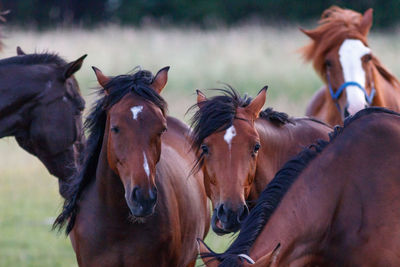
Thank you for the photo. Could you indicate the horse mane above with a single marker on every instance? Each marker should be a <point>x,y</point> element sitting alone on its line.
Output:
<point>336,25</point>
<point>37,58</point>
<point>272,195</point>
<point>216,114</point>
<point>279,118</point>
<point>138,84</point>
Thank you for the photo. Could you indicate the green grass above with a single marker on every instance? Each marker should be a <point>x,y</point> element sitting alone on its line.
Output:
<point>247,58</point>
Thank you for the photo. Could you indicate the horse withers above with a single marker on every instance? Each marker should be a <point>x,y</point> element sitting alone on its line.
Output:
<point>41,106</point>
<point>240,148</point>
<point>354,77</point>
<point>336,203</point>
<point>134,203</point>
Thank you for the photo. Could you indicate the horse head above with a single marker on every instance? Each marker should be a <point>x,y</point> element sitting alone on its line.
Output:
<point>133,131</point>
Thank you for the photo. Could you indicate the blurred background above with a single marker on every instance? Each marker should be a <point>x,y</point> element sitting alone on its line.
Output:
<point>247,44</point>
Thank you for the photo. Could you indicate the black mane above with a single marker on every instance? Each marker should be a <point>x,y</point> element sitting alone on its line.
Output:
<point>30,59</point>
<point>272,195</point>
<point>137,84</point>
<point>273,116</point>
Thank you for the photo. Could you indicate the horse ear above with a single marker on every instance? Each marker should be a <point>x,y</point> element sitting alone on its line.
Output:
<point>160,80</point>
<point>366,22</point>
<point>20,52</point>
<point>201,98</point>
<point>268,259</point>
<point>203,249</point>
<point>310,33</point>
<point>101,78</point>
<point>73,67</point>
<point>255,107</point>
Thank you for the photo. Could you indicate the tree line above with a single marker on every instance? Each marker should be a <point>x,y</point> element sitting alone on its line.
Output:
<point>202,13</point>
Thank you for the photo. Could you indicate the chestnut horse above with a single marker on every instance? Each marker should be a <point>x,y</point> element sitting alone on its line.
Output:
<point>337,203</point>
<point>133,203</point>
<point>354,78</point>
<point>241,148</point>
<point>41,106</point>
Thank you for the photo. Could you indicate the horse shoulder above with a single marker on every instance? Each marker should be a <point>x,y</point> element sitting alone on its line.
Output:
<point>185,200</point>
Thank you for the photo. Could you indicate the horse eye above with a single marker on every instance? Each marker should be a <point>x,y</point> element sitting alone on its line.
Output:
<point>367,57</point>
<point>163,131</point>
<point>204,148</point>
<point>328,63</point>
<point>257,147</point>
<point>115,129</point>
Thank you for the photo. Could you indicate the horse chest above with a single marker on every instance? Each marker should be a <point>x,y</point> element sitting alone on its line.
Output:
<point>102,238</point>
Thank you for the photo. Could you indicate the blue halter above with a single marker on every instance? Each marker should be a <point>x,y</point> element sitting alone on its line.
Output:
<point>335,95</point>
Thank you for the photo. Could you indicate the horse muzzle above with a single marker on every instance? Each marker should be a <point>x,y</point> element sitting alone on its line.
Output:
<point>142,204</point>
<point>225,220</point>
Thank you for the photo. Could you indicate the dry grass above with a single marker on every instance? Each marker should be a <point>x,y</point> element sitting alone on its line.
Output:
<point>247,58</point>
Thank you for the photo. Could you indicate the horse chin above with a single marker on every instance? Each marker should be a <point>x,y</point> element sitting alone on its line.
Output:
<point>218,227</point>
<point>138,220</point>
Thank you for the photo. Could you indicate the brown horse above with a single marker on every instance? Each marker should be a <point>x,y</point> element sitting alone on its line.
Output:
<point>41,106</point>
<point>241,148</point>
<point>336,204</point>
<point>354,78</point>
<point>133,203</point>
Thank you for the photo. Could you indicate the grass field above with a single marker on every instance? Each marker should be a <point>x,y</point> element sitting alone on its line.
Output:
<point>247,58</point>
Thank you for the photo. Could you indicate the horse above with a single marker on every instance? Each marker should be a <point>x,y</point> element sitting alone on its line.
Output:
<point>134,203</point>
<point>240,148</point>
<point>41,106</point>
<point>336,203</point>
<point>354,77</point>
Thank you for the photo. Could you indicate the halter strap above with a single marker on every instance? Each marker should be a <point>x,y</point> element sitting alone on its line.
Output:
<point>335,95</point>
<point>247,258</point>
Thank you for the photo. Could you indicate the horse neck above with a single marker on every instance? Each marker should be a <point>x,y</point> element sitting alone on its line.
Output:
<point>279,144</point>
<point>300,222</point>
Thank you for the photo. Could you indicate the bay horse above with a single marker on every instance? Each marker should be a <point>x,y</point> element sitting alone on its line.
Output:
<point>337,203</point>
<point>41,106</point>
<point>354,77</point>
<point>134,203</point>
<point>240,148</point>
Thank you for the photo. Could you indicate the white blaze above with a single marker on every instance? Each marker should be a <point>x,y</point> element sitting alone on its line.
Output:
<point>146,165</point>
<point>135,111</point>
<point>229,134</point>
<point>350,53</point>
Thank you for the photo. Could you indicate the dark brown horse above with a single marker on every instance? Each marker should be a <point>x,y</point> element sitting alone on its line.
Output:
<point>41,106</point>
<point>336,204</point>
<point>134,203</point>
<point>354,78</point>
<point>241,148</point>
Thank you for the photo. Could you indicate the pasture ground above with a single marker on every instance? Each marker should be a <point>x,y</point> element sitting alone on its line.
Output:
<point>247,58</point>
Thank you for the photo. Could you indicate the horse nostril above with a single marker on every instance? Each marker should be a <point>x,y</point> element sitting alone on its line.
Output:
<point>346,111</point>
<point>243,213</point>
<point>153,194</point>
<point>136,194</point>
<point>220,211</point>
